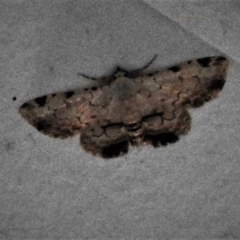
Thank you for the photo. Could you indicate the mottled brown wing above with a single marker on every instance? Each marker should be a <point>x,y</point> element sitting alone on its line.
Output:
<point>195,81</point>
<point>152,109</point>
<point>148,109</point>
<point>62,114</point>
<point>108,141</point>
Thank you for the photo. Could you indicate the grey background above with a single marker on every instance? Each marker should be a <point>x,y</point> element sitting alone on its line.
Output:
<point>51,188</point>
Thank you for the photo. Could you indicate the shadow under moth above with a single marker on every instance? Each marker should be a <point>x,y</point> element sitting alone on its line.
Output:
<point>134,108</point>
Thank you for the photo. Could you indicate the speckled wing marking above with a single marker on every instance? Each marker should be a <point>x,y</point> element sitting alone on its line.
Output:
<point>132,108</point>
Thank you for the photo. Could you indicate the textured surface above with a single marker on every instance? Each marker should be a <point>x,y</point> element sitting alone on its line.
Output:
<point>136,107</point>
<point>52,189</point>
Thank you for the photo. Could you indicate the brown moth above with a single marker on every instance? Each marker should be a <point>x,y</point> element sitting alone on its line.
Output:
<point>129,107</point>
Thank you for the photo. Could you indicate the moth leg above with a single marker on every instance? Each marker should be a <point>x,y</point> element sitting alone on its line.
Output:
<point>107,142</point>
<point>160,131</point>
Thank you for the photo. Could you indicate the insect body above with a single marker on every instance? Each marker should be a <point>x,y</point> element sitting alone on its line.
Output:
<point>130,107</point>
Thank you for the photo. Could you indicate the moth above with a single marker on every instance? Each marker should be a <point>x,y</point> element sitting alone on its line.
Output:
<point>129,108</point>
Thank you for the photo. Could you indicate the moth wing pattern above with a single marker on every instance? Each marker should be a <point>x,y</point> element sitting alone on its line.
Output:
<point>62,114</point>
<point>197,81</point>
<point>150,108</point>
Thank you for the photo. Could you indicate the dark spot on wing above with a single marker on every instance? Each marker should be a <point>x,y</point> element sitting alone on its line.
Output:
<point>26,105</point>
<point>204,62</point>
<point>197,102</point>
<point>220,59</point>
<point>149,74</point>
<point>61,132</point>
<point>94,88</point>
<point>186,101</point>
<point>174,69</point>
<point>43,126</point>
<point>206,97</point>
<point>115,150</point>
<point>41,101</point>
<point>189,62</point>
<point>49,128</point>
<point>161,139</point>
<point>14,98</point>
<point>217,84</point>
<point>54,94</point>
<point>69,94</point>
